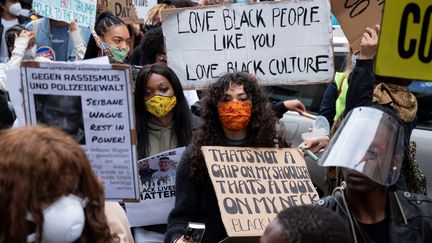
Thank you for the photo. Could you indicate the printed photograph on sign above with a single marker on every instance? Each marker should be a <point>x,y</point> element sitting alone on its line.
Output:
<point>157,178</point>
<point>251,38</point>
<point>93,104</point>
<point>61,111</point>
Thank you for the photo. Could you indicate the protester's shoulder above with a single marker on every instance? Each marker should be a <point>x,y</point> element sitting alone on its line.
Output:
<point>416,202</point>
<point>330,201</point>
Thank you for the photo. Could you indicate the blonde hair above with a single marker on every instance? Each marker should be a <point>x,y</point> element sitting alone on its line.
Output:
<point>156,10</point>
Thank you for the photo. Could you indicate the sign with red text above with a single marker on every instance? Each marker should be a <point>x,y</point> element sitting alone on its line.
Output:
<point>253,184</point>
<point>84,11</point>
<point>280,42</point>
<point>354,16</point>
<point>406,40</point>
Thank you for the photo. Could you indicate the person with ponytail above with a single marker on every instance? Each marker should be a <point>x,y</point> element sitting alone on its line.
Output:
<point>110,38</point>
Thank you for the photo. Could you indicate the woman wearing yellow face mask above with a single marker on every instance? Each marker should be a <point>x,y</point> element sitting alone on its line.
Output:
<point>162,112</point>
<point>235,112</point>
<point>163,122</point>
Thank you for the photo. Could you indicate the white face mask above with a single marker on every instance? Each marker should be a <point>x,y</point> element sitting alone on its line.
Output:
<point>64,220</point>
<point>15,9</point>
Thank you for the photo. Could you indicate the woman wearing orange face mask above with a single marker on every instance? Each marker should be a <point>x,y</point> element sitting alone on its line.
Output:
<point>235,112</point>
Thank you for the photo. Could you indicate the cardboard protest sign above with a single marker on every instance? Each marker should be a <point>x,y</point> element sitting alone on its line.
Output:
<point>157,180</point>
<point>406,40</point>
<point>354,16</point>
<point>67,10</point>
<point>93,104</point>
<point>253,184</point>
<point>130,11</point>
<point>280,42</point>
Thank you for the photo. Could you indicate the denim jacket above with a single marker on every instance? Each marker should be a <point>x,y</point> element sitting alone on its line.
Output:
<point>44,37</point>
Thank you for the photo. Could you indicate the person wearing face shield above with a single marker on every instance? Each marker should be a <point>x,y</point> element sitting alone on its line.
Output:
<point>369,147</point>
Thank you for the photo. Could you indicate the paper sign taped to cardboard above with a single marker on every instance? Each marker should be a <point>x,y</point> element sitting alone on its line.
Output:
<point>67,10</point>
<point>93,104</point>
<point>253,184</point>
<point>354,16</point>
<point>280,42</point>
<point>406,40</point>
<point>157,176</point>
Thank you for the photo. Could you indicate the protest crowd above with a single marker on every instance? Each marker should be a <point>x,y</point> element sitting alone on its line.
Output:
<point>120,123</point>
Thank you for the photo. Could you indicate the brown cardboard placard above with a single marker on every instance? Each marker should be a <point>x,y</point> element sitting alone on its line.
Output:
<point>123,9</point>
<point>253,184</point>
<point>354,16</point>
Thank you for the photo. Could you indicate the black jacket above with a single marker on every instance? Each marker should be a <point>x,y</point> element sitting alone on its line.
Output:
<point>195,202</point>
<point>409,222</point>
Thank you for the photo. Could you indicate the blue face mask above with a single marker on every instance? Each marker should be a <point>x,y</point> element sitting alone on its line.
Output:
<point>117,54</point>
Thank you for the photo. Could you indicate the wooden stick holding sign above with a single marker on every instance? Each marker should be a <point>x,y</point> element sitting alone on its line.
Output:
<point>253,184</point>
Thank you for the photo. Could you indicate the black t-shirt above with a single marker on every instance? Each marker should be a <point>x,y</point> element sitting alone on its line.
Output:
<point>373,233</point>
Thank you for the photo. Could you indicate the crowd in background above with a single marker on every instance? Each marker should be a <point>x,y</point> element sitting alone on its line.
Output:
<point>48,192</point>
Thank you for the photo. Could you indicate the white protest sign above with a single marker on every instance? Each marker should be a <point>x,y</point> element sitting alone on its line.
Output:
<point>67,10</point>
<point>281,42</point>
<point>157,177</point>
<point>143,7</point>
<point>92,103</point>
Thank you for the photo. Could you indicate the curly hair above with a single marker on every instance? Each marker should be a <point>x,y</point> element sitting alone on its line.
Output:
<point>312,225</point>
<point>261,130</point>
<point>38,165</point>
<point>182,116</point>
<point>151,45</point>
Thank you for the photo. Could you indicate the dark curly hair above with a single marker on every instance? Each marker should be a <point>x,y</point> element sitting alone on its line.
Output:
<point>151,44</point>
<point>309,224</point>
<point>261,130</point>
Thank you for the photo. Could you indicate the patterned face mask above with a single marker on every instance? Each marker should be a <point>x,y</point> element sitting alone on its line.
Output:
<point>235,115</point>
<point>118,55</point>
<point>159,105</point>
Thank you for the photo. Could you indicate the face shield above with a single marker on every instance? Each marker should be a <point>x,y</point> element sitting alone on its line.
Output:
<point>369,141</point>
